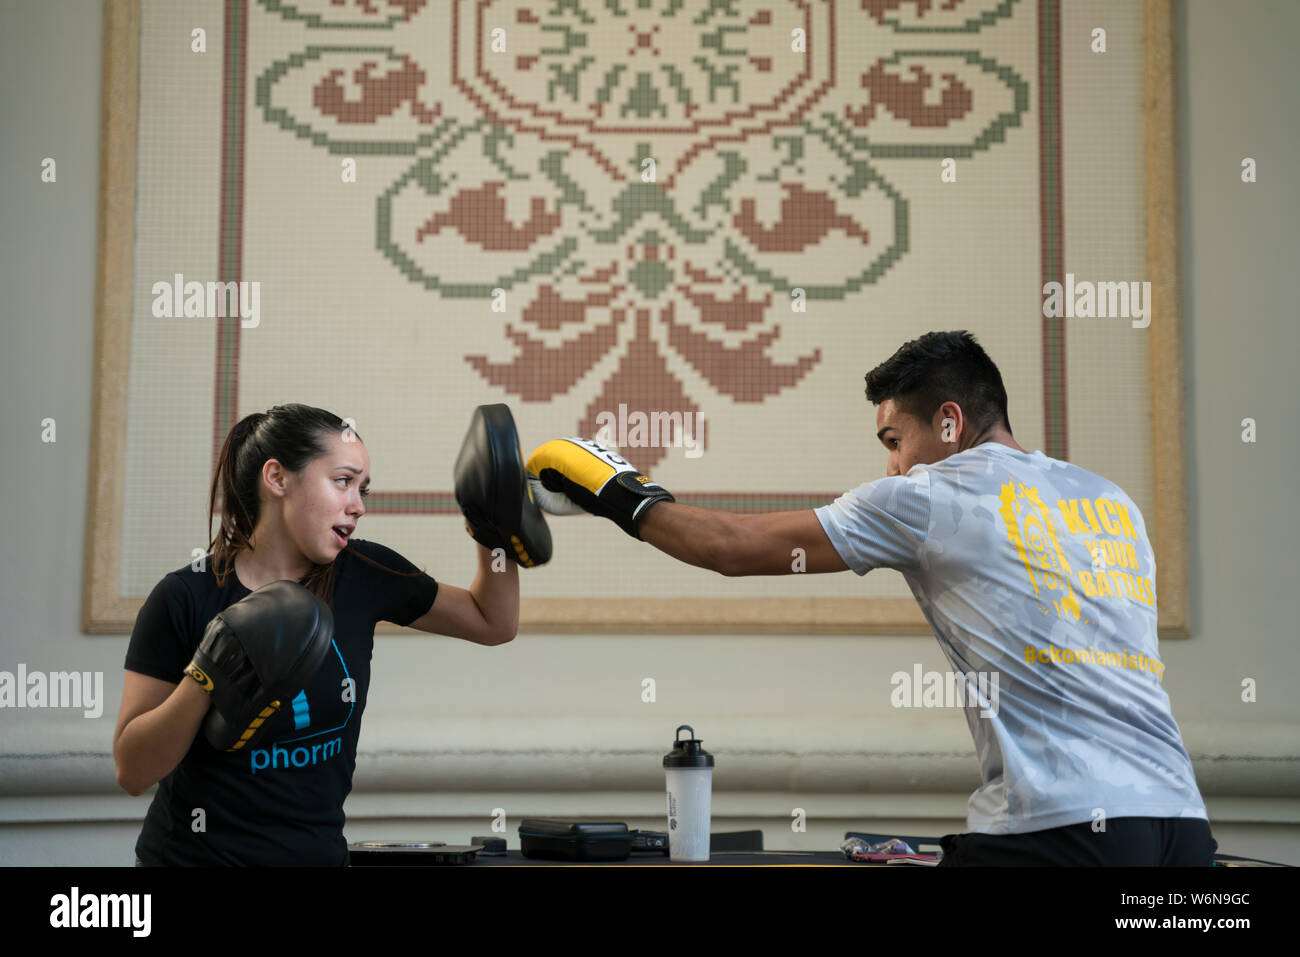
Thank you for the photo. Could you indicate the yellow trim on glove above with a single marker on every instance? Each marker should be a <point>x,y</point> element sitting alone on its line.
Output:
<point>573,462</point>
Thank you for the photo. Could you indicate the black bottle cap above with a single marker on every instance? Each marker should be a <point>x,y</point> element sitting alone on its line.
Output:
<point>687,754</point>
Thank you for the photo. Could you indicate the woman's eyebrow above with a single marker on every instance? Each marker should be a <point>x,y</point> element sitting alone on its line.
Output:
<point>353,470</point>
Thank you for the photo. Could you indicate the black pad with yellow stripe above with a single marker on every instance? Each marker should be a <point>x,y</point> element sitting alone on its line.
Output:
<point>492,490</point>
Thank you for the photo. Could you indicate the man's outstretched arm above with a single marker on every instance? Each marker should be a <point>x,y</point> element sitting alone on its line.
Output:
<point>778,543</point>
<point>576,472</point>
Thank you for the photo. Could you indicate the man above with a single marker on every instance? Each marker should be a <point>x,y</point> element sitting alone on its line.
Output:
<point>1036,577</point>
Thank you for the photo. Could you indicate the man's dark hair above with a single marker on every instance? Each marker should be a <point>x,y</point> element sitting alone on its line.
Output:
<point>942,367</point>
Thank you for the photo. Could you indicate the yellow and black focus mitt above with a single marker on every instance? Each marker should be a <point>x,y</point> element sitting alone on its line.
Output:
<point>494,494</point>
<point>255,656</point>
<point>569,472</point>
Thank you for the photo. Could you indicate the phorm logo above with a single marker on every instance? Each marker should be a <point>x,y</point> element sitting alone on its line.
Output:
<point>276,757</point>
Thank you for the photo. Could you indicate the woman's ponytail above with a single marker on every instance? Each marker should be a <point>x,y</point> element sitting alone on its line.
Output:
<point>239,501</point>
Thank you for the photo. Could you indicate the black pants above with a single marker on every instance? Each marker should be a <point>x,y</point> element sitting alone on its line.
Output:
<point>1126,842</point>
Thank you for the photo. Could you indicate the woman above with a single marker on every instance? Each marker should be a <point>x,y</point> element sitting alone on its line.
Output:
<point>293,482</point>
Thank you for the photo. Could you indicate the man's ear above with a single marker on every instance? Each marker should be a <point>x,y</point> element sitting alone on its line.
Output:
<point>951,421</point>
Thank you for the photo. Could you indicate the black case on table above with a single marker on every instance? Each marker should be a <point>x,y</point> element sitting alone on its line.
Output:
<point>574,840</point>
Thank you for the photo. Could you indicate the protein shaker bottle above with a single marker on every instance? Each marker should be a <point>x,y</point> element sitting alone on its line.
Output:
<point>690,790</point>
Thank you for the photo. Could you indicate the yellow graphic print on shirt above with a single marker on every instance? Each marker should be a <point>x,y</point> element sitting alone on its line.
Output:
<point>1031,531</point>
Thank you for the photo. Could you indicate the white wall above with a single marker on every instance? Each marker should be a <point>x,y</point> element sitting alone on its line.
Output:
<point>560,730</point>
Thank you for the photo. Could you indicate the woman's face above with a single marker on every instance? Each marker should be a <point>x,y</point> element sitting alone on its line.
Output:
<point>323,502</point>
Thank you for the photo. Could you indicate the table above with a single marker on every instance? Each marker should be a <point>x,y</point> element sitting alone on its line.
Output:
<point>515,858</point>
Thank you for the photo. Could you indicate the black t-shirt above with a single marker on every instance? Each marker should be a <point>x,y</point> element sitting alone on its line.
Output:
<point>281,802</point>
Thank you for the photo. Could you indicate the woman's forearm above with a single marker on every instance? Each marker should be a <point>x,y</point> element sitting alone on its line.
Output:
<point>153,743</point>
<point>497,593</point>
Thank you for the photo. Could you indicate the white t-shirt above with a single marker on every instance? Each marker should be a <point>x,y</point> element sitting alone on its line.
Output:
<point>1037,577</point>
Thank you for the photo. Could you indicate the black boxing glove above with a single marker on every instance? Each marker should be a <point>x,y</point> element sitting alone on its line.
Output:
<point>257,654</point>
